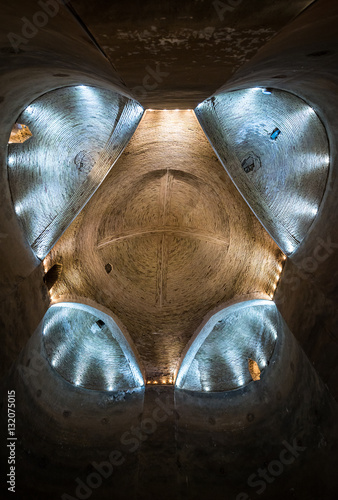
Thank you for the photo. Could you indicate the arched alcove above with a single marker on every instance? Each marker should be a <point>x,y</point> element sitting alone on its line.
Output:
<point>78,133</point>
<point>275,148</point>
<point>219,357</point>
<point>87,348</point>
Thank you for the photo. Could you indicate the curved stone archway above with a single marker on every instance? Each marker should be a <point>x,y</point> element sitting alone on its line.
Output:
<point>165,240</point>
<point>219,357</point>
<point>86,347</point>
<point>78,133</point>
<point>275,148</point>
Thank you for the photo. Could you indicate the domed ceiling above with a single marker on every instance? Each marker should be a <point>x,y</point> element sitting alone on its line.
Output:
<point>164,241</point>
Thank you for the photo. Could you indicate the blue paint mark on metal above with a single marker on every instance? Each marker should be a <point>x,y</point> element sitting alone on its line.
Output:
<point>275,134</point>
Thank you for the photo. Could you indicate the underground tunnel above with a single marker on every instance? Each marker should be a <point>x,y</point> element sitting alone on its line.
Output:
<point>168,248</point>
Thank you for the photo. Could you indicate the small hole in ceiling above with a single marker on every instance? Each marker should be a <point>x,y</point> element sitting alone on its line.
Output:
<point>52,275</point>
<point>108,267</point>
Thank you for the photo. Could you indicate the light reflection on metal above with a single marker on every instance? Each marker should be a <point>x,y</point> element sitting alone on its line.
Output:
<point>110,378</point>
<point>11,160</point>
<point>99,361</point>
<point>286,186</point>
<point>78,134</point>
<point>161,381</point>
<point>19,208</point>
<point>217,360</point>
<point>61,351</point>
<point>81,369</point>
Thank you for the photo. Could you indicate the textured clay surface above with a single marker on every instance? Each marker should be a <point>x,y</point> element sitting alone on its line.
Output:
<point>164,240</point>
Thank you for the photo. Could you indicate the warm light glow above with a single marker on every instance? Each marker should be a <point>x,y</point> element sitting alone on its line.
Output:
<point>45,267</point>
<point>19,134</point>
<point>53,298</point>
<point>254,370</point>
<point>167,110</point>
